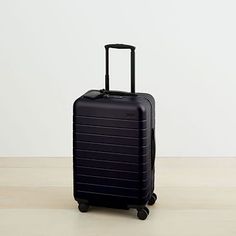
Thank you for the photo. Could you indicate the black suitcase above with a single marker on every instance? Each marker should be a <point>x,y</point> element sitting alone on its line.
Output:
<point>114,146</point>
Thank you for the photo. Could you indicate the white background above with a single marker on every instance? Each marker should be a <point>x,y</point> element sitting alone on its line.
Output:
<point>51,52</point>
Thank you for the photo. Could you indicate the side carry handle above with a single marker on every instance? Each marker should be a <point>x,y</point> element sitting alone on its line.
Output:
<point>132,62</point>
<point>153,148</point>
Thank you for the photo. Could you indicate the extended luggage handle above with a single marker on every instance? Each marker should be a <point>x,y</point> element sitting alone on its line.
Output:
<point>132,62</point>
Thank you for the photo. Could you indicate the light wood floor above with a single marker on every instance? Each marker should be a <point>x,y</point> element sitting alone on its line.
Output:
<point>197,196</point>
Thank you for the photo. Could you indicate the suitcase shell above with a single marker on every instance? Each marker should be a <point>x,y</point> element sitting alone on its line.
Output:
<point>112,145</point>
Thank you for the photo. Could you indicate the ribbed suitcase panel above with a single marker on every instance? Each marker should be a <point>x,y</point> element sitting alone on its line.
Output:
<point>113,131</point>
<point>108,172</point>
<point>117,165</point>
<point>109,139</point>
<point>109,122</point>
<point>115,148</point>
<point>109,189</point>
<point>106,156</point>
<point>108,181</point>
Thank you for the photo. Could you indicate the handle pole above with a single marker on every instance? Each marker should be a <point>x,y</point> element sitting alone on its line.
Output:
<point>132,64</point>
<point>132,72</point>
<point>107,70</point>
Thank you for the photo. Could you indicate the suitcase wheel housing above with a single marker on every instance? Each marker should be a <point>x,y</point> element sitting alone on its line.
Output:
<point>143,213</point>
<point>152,200</point>
<point>83,207</point>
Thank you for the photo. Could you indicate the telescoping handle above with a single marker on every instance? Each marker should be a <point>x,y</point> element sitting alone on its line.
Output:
<point>132,62</point>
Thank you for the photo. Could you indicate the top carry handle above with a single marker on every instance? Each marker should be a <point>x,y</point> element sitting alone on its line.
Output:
<point>132,62</point>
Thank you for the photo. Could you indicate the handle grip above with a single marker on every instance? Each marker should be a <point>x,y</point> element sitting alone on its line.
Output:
<point>120,46</point>
<point>117,93</point>
<point>132,63</point>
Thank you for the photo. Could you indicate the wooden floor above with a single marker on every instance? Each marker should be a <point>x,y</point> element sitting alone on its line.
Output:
<point>197,196</point>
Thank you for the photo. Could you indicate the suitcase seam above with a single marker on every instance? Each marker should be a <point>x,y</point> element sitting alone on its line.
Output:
<point>110,127</point>
<point>106,186</point>
<point>111,144</point>
<point>116,153</point>
<point>112,170</point>
<point>118,162</point>
<point>112,136</point>
<point>108,194</point>
<point>113,186</point>
<point>109,118</point>
<point>104,177</point>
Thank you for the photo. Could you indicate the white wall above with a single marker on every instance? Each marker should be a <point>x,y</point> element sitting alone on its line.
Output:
<point>51,52</point>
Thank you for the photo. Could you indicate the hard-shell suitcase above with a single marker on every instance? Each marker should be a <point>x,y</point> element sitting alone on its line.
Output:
<point>114,146</point>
